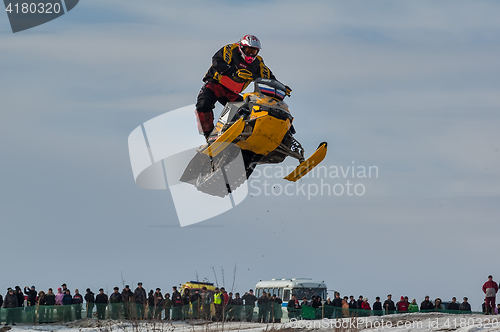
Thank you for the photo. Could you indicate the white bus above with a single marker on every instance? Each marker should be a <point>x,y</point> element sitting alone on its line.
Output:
<point>285,288</point>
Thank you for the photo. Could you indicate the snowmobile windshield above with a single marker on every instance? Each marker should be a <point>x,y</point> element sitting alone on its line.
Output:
<point>270,87</point>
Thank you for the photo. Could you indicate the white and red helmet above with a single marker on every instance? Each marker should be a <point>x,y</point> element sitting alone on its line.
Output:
<point>249,47</point>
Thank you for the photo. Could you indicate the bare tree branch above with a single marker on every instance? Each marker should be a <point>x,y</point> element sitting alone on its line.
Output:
<point>234,278</point>
<point>215,275</point>
<point>223,281</point>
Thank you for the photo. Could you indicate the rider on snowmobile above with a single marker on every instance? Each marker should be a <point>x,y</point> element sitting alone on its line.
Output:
<point>233,68</point>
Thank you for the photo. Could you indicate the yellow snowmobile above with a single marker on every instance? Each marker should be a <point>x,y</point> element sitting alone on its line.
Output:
<point>259,129</point>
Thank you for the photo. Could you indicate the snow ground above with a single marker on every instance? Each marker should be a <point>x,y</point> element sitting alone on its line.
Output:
<point>415,322</point>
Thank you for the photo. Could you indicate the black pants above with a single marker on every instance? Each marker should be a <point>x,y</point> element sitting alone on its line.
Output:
<point>90,308</point>
<point>218,312</point>
<point>210,94</point>
<point>101,310</point>
<point>249,312</point>
<point>78,311</point>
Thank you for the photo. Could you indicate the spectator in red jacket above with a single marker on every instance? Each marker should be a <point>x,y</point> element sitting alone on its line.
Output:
<point>365,305</point>
<point>402,306</point>
<point>226,296</point>
<point>490,289</point>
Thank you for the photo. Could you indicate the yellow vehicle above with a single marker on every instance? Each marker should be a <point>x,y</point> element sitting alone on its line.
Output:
<point>196,285</point>
<point>198,310</point>
<point>258,130</point>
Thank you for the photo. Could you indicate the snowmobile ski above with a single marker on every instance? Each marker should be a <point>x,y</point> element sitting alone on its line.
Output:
<point>307,165</point>
<point>225,139</point>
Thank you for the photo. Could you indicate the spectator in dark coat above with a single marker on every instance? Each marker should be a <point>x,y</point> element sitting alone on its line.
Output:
<point>67,301</point>
<point>128,300</point>
<point>20,296</point>
<point>263,303</point>
<point>293,307</point>
<point>151,298</point>
<point>77,298</point>
<point>67,298</point>
<point>175,292</point>
<point>315,302</point>
<point>276,311</point>
<point>389,306</point>
<point>50,297</point>
<point>196,303</point>
<point>115,299</point>
<point>77,304</point>
<point>150,304</point>
<point>377,306</point>
<point>64,288</point>
<point>101,301</point>
<point>167,305</point>
<point>250,300</point>
<point>453,305</point>
<point>89,298</point>
<point>41,301</point>
<point>31,292</point>
<point>177,307</point>
<point>140,300</point>
<point>158,303</point>
<point>186,301</point>
<point>41,298</point>
<point>359,302</point>
<point>1,300</point>
<point>352,302</point>
<point>337,301</point>
<point>101,298</point>
<point>237,306</point>
<point>197,297</point>
<point>127,294</point>
<point>10,301</point>
<point>465,306</point>
<point>426,304</point>
<point>30,303</point>
<point>337,304</point>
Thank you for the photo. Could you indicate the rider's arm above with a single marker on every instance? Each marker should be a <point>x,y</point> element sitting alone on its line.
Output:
<point>264,71</point>
<point>221,61</point>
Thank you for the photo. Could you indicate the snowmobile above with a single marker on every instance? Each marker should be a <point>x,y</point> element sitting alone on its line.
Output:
<point>260,131</point>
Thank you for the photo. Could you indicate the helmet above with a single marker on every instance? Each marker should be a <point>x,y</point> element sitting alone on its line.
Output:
<point>249,46</point>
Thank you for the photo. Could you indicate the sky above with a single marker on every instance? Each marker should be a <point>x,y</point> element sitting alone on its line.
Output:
<point>409,88</point>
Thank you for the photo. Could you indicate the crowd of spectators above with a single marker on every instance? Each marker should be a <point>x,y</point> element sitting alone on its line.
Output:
<point>139,304</point>
<point>350,304</point>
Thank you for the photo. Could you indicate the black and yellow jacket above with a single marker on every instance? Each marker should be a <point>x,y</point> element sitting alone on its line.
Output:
<point>225,64</point>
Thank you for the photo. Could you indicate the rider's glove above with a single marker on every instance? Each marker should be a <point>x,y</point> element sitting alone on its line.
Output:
<point>288,90</point>
<point>244,74</point>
